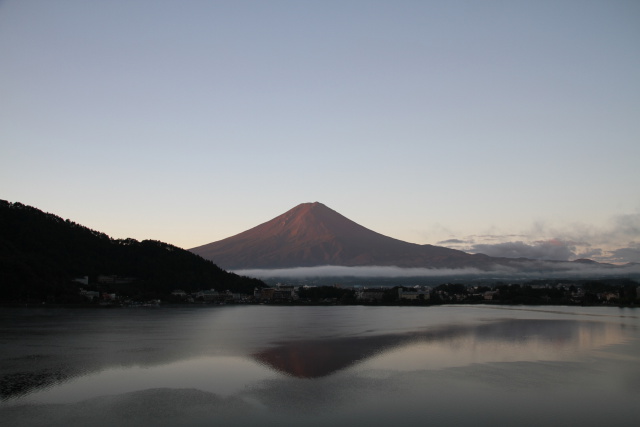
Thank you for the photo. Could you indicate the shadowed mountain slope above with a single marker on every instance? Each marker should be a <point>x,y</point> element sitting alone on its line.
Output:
<point>311,234</point>
<point>41,254</point>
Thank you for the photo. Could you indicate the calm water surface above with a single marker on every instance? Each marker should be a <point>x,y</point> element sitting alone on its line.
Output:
<point>262,365</point>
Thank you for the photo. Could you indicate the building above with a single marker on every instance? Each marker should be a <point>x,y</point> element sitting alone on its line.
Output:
<point>415,295</point>
<point>91,295</point>
<point>370,295</point>
<point>490,295</point>
<point>210,295</point>
<point>283,294</point>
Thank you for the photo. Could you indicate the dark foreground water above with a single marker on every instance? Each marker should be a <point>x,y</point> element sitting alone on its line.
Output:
<point>261,365</point>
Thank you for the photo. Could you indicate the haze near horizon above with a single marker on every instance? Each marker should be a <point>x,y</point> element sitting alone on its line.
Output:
<point>508,129</point>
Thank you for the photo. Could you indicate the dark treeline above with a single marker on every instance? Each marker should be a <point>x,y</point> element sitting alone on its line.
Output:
<point>41,254</point>
<point>321,294</point>
<point>612,291</point>
<point>588,292</point>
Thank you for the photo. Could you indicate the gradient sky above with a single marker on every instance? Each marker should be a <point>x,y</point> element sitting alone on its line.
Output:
<point>508,127</point>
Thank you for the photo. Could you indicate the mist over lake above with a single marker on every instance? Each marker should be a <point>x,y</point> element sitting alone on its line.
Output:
<point>269,365</point>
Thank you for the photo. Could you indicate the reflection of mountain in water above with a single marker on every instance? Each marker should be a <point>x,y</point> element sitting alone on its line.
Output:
<point>319,358</point>
<point>71,349</point>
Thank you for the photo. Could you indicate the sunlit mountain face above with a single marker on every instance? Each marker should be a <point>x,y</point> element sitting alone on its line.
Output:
<point>311,234</point>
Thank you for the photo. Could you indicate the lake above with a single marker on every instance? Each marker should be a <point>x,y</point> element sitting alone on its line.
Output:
<point>278,365</point>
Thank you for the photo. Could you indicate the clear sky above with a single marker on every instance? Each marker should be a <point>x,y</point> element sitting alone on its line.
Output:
<point>507,127</point>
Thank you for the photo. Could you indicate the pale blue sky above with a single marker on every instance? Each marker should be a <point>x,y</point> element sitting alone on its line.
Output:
<point>190,121</point>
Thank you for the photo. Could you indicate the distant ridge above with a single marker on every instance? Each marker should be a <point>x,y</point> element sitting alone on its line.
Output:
<point>312,234</point>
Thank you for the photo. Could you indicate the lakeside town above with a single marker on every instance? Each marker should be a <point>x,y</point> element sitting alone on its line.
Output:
<point>609,292</point>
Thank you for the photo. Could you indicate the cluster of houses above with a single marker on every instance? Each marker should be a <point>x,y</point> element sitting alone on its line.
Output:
<point>110,299</point>
<point>279,293</point>
<point>283,293</point>
<point>416,293</point>
<point>211,296</point>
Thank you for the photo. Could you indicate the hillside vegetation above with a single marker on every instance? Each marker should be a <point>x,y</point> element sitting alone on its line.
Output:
<point>41,254</point>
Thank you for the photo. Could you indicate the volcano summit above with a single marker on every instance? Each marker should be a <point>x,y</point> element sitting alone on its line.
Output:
<point>311,234</point>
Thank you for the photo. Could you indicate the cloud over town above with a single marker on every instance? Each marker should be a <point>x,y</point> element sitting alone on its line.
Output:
<point>617,242</point>
<point>538,270</point>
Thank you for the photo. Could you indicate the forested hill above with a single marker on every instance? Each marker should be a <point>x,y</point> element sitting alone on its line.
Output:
<point>41,254</point>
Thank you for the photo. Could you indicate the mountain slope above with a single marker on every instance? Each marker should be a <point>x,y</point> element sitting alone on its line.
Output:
<point>40,253</point>
<point>312,234</point>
